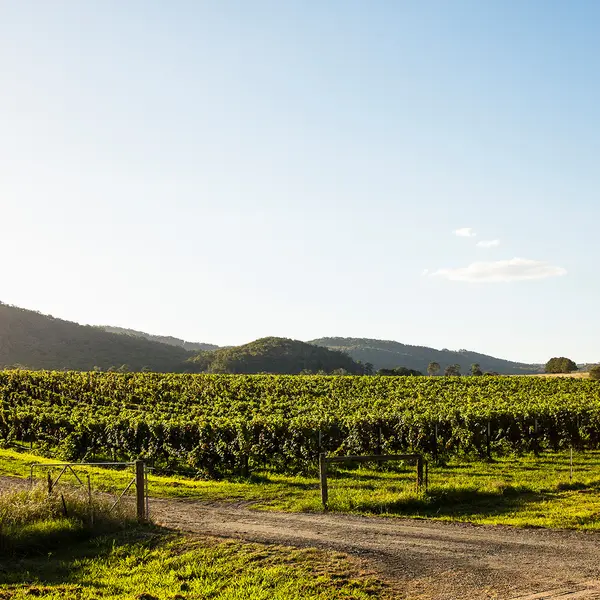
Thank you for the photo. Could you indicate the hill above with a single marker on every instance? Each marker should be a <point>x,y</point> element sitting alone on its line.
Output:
<point>163,339</point>
<point>35,341</point>
<point>275,355</point>
<point>30,339</point>
<point>384,354</point>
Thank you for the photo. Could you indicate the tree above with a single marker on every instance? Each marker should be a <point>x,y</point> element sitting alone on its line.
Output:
<point>595,372</point>
<point>476,370</point>
<point>452,371</point>
<point>400,372</point>
<point>339,371</point>
<point>433,368</point>
<point>560,364</point>
<point>369,368</point>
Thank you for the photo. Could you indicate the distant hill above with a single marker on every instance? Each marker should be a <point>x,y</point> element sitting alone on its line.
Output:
<point>384,354</point>
<point>163,339</point>
<point>30,339</point>
<point>36,341</point>
<point>275,355</point>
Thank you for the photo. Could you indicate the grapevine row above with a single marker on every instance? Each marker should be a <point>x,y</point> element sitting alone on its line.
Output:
<point>221,424</point>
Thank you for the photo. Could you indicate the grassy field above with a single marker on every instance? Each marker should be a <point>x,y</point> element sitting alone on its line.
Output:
<point>150,565</point>
<point>50,547</point>
<point>520,491</point>
<point>47,553</point>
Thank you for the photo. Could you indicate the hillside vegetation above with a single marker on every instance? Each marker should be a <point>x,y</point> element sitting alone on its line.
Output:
<point>164,339</point>
<point>32,340</point>
<point>276,355</point>
<point>36,341</point>
<point>384,354</point>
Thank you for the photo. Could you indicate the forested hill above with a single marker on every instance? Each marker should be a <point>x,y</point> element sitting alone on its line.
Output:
<point>276,355</point>
<point>30,339</point>
<point>36,341</point>
<point>384,354</point>
<point>164,339</point>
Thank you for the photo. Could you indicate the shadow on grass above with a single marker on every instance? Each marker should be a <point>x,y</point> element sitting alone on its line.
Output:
<point>577,486</point>
<point>455,503</point>
<point>63,564</point>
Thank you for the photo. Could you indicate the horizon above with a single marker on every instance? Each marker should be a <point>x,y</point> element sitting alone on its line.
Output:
<point>422,173</point>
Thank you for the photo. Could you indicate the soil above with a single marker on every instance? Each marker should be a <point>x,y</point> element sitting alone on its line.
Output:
<point>419,559</point>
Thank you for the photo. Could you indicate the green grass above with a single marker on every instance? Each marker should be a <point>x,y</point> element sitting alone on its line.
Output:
<point>33,521</point>
<point>146,564</point>
<point>518,491</point>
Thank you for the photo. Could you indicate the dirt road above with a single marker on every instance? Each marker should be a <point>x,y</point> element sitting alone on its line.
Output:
<point>421,559</point>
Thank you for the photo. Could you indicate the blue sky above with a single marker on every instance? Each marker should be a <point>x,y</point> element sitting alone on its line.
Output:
<point>222,171</point>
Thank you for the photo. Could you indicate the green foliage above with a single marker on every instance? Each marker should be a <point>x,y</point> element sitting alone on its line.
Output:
<point>560,364</point>
<point>276,355</point>
<point>433,368</point>
<point>32,340</point>
<point>399,372</point>
<point>452,371</point>
<point>43,342</point>
<point>476,370</point>
<point>223,424</point>
<point>163,339</point>
<point>595,372</point>
<point>384,354</point>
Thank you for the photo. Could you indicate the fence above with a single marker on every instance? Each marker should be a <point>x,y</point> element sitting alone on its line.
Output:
<point>421,467</point>
<point>139,481</point>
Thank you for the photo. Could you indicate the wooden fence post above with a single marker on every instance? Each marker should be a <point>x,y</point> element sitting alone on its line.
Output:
<point>323,477</point>
<point>90,504</point>
<point>140,491</point>
<point>419,472</point>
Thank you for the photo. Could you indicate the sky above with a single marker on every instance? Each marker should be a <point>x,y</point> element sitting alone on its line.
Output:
<point>425,172</point>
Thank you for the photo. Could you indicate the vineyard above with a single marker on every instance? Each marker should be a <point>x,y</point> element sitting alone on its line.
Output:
<point>232,424</point>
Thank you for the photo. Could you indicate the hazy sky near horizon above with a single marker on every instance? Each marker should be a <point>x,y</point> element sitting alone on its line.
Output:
<point>220,171</point>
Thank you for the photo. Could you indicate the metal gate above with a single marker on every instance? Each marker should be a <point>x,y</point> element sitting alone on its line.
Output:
<point>139,481</point>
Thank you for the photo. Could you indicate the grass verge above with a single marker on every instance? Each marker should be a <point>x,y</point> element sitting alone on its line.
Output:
<point>146,564</point>
<point>520,491</point>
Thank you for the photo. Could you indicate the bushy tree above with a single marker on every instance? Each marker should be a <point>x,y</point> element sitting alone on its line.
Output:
<point>595,372</point>
<point>433,368</point>
<point>476,370</point>
<point>452,371</point>
<point>399,371</point>
<point>560,364</point>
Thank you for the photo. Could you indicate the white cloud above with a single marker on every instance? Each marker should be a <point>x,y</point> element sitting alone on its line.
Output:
<point>515,269</point>
<point>465,232</point>
<point>488,243</point>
